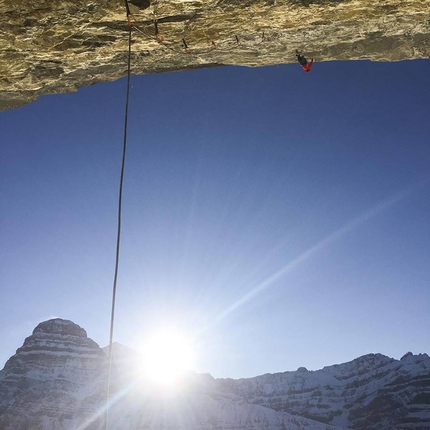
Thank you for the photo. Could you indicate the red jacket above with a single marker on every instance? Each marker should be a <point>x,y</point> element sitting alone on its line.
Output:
<point>308,66</point>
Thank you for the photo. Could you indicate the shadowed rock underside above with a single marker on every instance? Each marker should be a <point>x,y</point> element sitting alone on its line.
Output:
<point>56,47</point>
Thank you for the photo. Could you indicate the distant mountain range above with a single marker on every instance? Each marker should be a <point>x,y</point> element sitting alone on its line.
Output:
<point>57,381</point>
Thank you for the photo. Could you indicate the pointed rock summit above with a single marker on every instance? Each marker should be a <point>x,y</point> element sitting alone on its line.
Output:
<point>57,373</point>
<point>61,327</point>
<point>56,341</point>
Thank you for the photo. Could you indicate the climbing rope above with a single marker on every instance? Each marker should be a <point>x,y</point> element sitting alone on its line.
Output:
<point>118,238</point>
<point>186,50</point>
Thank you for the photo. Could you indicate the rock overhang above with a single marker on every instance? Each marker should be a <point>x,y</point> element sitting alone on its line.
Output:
<point>57,47</point>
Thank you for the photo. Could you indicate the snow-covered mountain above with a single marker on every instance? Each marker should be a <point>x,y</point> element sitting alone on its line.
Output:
<point>370,392</point>
<point>57,373</point>
<point>57,380</point>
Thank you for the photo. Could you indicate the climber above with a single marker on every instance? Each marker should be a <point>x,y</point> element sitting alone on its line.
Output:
<point>304,62</point>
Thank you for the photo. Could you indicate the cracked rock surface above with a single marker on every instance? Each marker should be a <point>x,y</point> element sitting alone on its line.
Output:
<point>52,47</point>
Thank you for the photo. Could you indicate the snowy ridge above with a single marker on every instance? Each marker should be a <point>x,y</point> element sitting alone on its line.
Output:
<point>193,410</point>
<point>373,391</point>
<point>57,381</point>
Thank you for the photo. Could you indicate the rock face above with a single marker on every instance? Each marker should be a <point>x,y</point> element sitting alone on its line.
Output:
<point>370,392</point>
<point>57,373</point>
<point>55,47</point>
<point>57,380</point>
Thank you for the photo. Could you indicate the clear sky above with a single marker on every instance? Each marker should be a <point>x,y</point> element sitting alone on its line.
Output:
<point>281,219</point>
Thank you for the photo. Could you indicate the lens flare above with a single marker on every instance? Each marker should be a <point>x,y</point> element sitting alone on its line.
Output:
<point>167,356</point>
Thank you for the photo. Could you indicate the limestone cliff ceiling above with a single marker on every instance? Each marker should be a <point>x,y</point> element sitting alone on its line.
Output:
<point>58,46</point>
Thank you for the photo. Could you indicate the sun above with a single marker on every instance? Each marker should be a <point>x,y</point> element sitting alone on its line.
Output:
<point>167,356</point>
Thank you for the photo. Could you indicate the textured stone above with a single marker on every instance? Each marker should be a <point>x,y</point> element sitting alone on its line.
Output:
<point>58,326</point>
<point>57,372</point>
<point>55,47</point>
<point>372,392</point>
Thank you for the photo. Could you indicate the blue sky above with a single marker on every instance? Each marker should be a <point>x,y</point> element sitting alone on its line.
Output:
<point>280,218</point>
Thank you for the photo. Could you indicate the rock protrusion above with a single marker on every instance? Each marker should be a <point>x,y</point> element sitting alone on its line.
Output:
<point>56,47</point>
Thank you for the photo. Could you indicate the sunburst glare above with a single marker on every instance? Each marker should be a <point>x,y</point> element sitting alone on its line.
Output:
<point>167,356</point>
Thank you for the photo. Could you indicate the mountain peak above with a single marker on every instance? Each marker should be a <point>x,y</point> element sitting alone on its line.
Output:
<point>51,374</point>
<point>61,327</point>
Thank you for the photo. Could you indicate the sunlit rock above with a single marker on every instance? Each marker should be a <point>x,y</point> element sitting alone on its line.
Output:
<point>56,47</point>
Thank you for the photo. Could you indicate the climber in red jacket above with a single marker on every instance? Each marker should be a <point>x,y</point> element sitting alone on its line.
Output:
<point>306,66</point>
